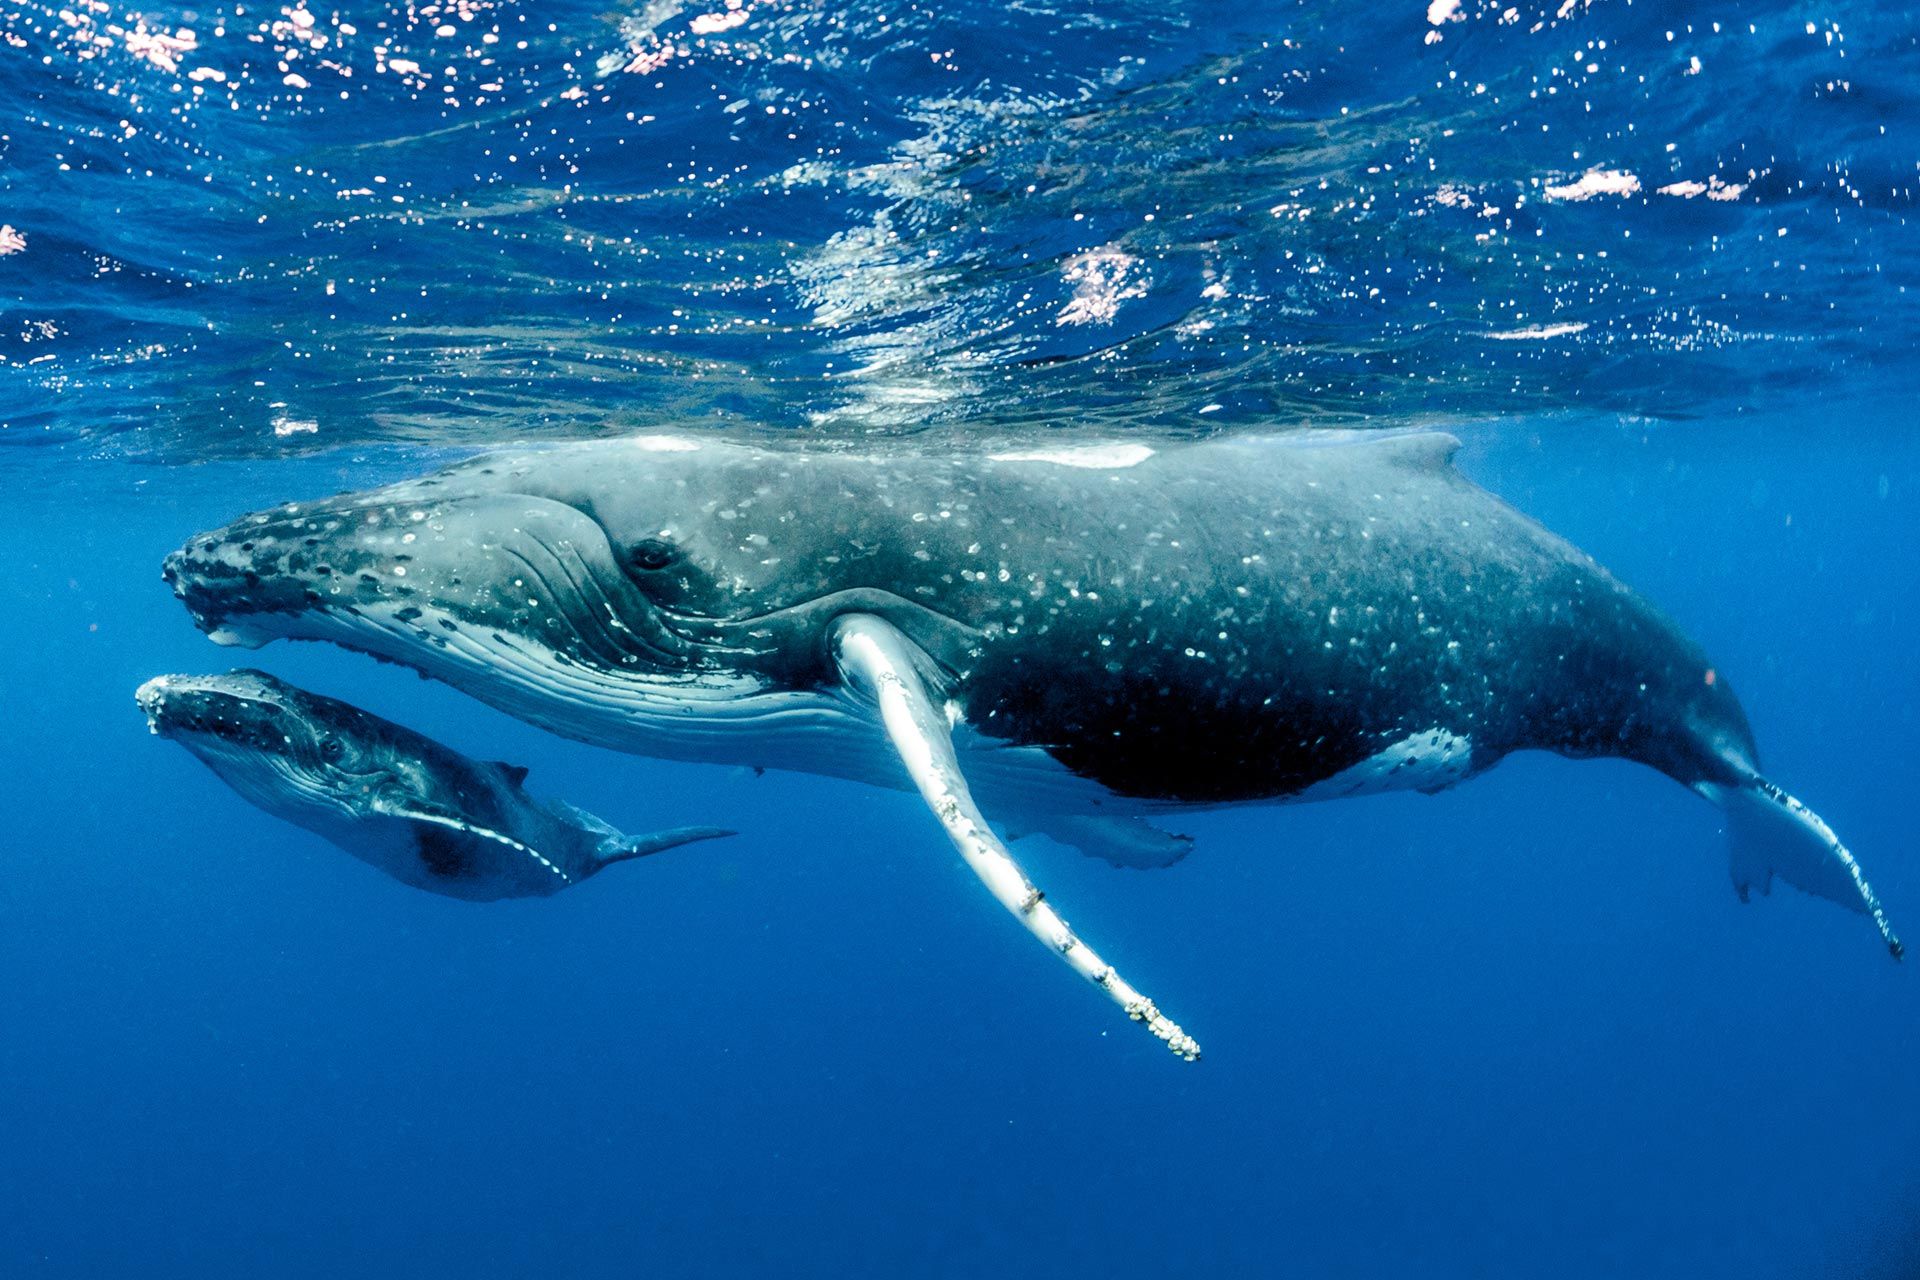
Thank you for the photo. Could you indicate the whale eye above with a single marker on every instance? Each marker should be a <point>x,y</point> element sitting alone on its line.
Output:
<point>331,750</point>
<point>650,555</point>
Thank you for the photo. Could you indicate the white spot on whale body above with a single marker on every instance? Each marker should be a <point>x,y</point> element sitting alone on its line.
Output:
<point>665,444</point>
<point>1426,761</point>
<point>1096,457</point>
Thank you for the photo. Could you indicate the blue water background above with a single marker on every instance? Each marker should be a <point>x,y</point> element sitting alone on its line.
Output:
<point>1520,1029</point>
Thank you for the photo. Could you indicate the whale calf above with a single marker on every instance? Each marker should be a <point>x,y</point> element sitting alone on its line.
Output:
<point>1075,639</point>
<point>421,812</point>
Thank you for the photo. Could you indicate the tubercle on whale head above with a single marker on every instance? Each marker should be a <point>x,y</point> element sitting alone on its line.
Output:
<point>422,561</point>
<point>248,709</point>
<point>678,564</point>
<point>254,578</point>
<point>227,598</point>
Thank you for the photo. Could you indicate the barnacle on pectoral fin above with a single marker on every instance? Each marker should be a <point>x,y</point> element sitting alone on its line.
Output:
<point>1770,832</point>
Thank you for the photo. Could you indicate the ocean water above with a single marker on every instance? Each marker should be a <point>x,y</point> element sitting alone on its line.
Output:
<point>1653,263</point>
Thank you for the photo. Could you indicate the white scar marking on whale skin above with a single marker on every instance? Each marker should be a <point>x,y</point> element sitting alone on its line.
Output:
<point>495,836</point>
<point>1424,761</point>
<point>665,444</point>
<point>1095,457</point>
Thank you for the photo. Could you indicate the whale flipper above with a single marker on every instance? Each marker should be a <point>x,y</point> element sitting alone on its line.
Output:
<point>1769,833</point>
<point>880,664</point>
<point>1132,843</point>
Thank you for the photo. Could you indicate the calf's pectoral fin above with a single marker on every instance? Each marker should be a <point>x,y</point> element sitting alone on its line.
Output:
<point>1771,833</point>
<point>882,665</point>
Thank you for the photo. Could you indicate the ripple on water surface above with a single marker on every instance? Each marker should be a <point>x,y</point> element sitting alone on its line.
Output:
<point>244,229</point>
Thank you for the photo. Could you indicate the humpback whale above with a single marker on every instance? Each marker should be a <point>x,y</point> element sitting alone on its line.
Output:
<point>1074,639</point>
<point>421,812</point>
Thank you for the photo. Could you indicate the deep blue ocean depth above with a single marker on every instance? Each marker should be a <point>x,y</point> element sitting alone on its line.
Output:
<point>1654,263</point>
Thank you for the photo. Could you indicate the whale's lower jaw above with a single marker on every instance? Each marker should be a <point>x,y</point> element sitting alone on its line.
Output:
<point>715,716</point>
<point>244,629</point>
<point>712,717</point>
<point>267,781</point>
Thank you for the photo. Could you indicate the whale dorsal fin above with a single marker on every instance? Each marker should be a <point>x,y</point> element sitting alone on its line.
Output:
<point>515,774</point>
<point>1429,450</point>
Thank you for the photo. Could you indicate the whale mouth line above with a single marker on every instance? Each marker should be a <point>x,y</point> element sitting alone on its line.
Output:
<point>280,732</point>
<point>509,657</point>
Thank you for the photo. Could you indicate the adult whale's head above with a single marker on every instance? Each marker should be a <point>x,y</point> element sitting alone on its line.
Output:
<point>671,586</point>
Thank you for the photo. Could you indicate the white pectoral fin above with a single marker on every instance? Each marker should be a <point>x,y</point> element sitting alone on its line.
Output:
<point>1771,833</point>
<point>880,663</point>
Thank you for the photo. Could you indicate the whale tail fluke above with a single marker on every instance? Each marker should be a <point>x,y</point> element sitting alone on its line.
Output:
<point>1770,833</point>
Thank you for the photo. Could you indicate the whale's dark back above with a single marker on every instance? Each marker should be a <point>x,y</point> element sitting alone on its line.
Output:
<point>1244,619</point>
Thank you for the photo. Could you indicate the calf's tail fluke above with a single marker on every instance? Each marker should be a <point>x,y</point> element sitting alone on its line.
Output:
<point>1771,833</point>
